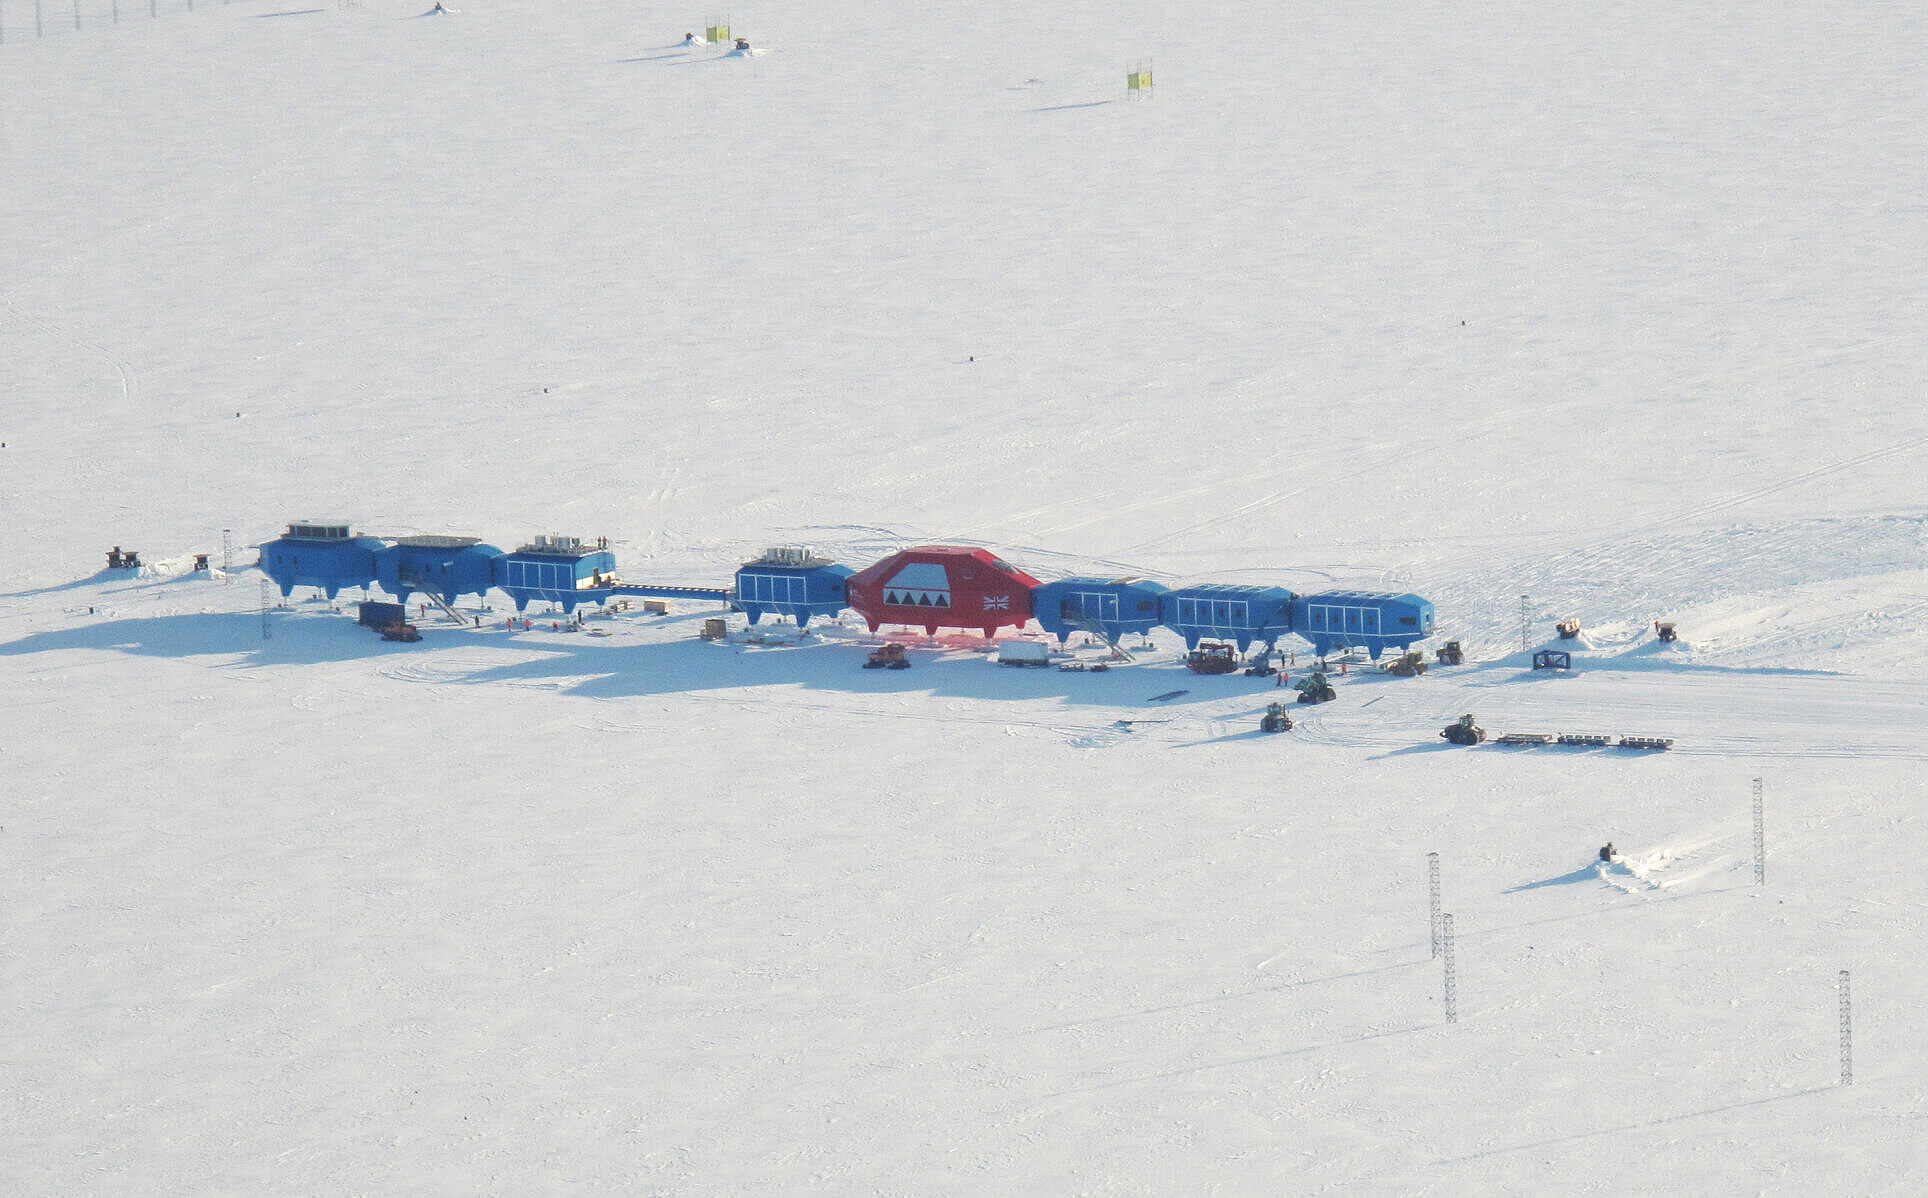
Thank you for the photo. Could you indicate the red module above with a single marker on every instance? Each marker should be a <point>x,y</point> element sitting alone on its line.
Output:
<point>943,586</point>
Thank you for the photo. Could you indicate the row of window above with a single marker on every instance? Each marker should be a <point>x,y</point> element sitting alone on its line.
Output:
<point>1095,605</point>
<point>539,576</point>
<point>1229,613</point>
<point>1214,613</point>
<point>1320,618</point>
<point>752,587</point>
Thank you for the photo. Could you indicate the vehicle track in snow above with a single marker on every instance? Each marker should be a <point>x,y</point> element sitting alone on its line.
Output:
<point>1661,566</point>
<point>306,150</point>
<point>1366,462</point>
<point>1101,731</point>
<point>130,383</point>
<point>1742,498</point>
<point>1636,578</point>
<point>1708,713</point>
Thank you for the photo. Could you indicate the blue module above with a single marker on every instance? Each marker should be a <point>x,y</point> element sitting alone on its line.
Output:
<point>1110,607</point>
<point>1228,612</point>
<point>320,553</point>
<point>1369,620</point>
<point>559,569</point>
<point>791,581</point>
<point>443,566</point>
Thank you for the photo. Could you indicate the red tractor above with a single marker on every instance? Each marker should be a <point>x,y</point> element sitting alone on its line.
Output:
<point>1212,658</point>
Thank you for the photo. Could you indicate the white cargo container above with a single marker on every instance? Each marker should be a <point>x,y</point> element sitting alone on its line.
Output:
<point>1023,653</point>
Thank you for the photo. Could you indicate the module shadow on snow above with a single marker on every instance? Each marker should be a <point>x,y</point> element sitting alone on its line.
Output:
<point>92,580</point>
<point>691,666</point>
<point>194,634</point>
<point>1069,107</point>
<point>575,663</point>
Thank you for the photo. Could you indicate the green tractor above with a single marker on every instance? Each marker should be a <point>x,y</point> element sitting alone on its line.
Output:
<point>1463,731</point>
<point>1315,689</point>
<point>1277,719</point>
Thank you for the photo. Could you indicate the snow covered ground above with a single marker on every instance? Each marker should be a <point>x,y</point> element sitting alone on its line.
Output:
<point>1613,314</point>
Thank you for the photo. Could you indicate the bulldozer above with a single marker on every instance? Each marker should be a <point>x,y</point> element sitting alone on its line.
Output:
<point>1463,731</point>
<point>1211,659</point>
<point>891,657</point>
<point>1276,719</point>
<point>1407,665</point>
<point>1315,689</point>
<point>1449,654</point>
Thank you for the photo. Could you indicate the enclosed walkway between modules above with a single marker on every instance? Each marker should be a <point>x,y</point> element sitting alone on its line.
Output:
<point>705,594</point>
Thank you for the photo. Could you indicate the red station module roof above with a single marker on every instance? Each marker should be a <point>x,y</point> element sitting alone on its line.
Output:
<point>943,586</point>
